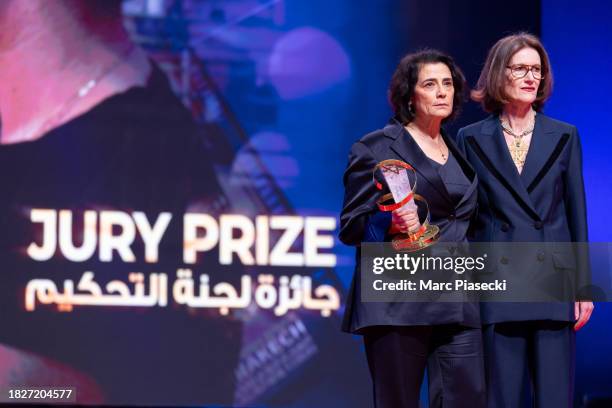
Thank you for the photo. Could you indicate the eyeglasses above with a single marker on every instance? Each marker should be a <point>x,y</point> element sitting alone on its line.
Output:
<point>520,71</point>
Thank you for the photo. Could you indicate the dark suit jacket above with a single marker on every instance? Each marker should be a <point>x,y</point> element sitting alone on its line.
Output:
<point>361,221</point>
<point>545,203</point>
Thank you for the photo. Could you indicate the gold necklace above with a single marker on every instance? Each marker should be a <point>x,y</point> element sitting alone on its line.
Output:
<point>440,147</point>
<point>437,141</point>
<point>518,150</point>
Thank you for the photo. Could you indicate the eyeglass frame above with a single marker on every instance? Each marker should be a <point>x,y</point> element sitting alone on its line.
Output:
<point>529,69</point>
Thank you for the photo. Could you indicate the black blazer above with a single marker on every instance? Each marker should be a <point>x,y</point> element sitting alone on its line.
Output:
<point>361,221</point>
<point>544,203</point>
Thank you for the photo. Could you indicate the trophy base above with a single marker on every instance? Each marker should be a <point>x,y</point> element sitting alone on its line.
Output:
<point>405,243</point>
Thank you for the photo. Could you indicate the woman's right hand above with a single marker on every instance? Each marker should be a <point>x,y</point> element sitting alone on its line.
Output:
<point>404,220</point>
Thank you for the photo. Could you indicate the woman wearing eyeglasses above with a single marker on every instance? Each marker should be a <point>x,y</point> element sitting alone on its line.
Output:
<point>531,189</point>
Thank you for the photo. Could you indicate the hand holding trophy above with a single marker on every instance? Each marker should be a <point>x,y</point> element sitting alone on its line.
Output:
<point>396,175</point>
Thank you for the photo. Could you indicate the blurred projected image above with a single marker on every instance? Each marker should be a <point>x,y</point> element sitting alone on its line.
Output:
<point>152,252</point>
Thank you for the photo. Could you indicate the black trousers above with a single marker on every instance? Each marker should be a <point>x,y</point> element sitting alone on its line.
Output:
<point>397,357</point>
<point>530,364</point>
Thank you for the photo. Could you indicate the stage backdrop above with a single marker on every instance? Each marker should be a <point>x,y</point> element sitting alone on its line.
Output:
<point>177,244</point>
<point>578,39</point>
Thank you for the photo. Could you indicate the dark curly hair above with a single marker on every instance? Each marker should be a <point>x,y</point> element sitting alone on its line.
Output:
<point>403,82</point>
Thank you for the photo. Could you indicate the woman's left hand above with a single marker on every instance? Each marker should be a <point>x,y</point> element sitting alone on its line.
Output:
<point>582,313</point>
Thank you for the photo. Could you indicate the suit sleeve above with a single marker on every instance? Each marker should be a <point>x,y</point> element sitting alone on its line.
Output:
<point>460,142</point>
<point>360,219</point>
<point>575,205</point>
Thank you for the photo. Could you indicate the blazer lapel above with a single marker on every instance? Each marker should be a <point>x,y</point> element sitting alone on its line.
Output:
<point>468,170</point>
<point>409,151</point>
<point>543,143</point>
<point>493,145</point>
